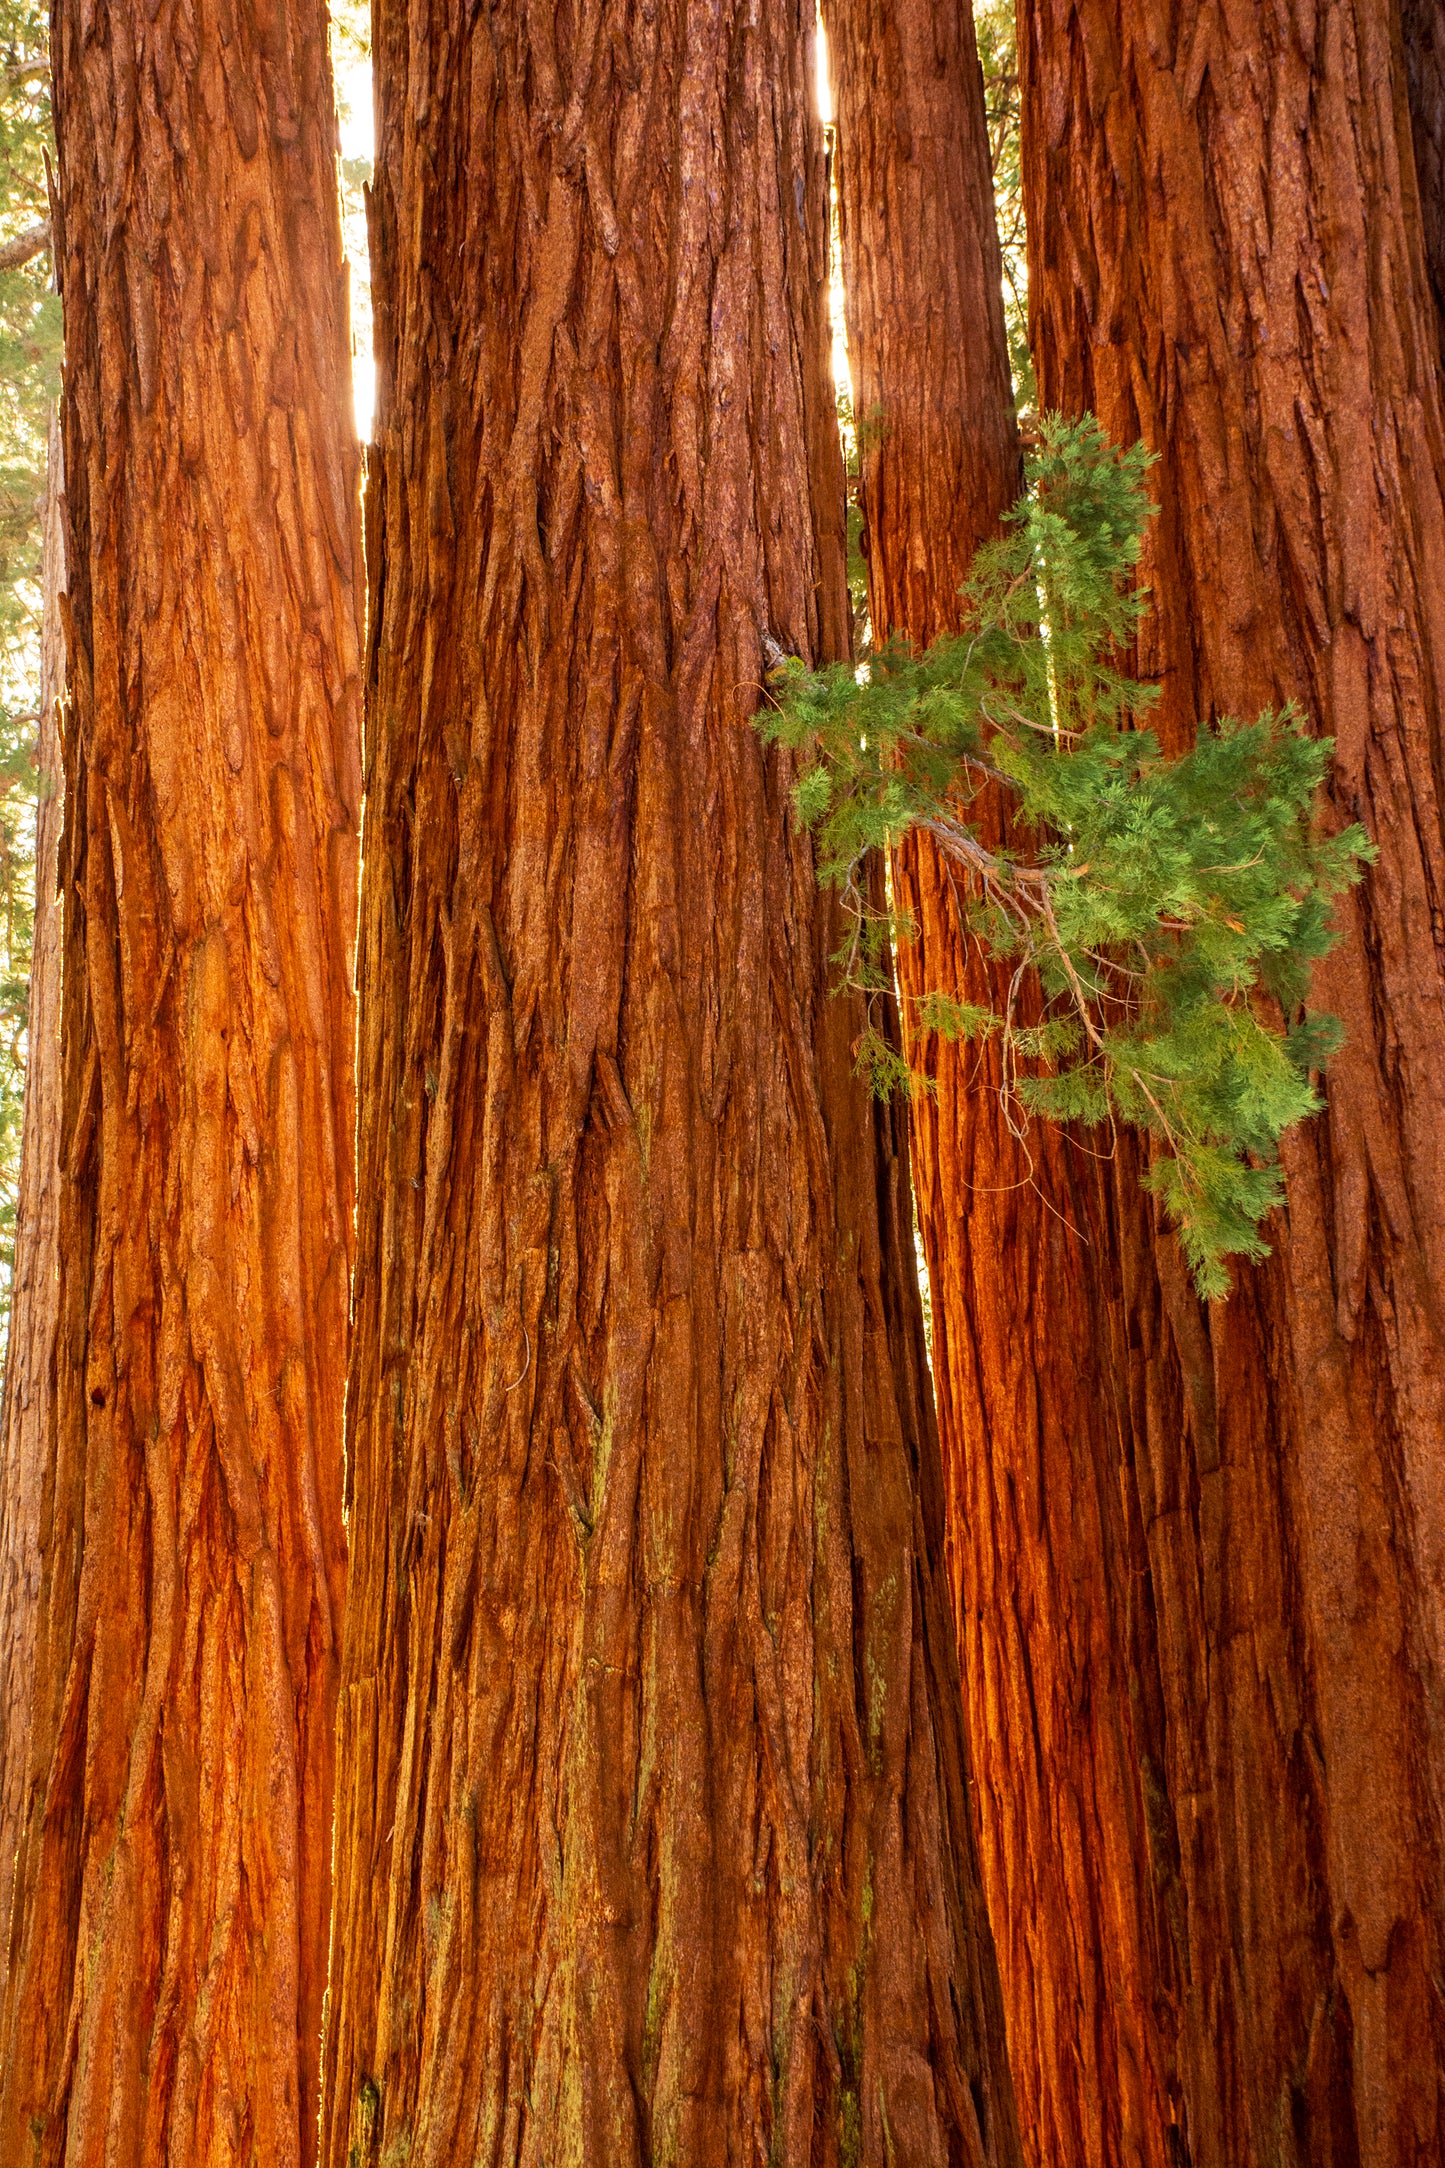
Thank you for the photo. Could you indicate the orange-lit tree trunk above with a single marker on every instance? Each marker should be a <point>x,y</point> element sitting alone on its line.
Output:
<point>1226,259</point>
<point>30,1353</point>
<point>169,1927</point>
<point>654,1835</point>
<point>1032,1365</point>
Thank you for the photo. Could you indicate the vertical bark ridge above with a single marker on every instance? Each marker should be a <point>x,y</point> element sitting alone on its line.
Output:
<point>654,1843</point>
<point>1226,259</point>
<point>34,1290</point>
<point>1020,1235</point>
<point>169,1929</point>
<point>1422,25</point>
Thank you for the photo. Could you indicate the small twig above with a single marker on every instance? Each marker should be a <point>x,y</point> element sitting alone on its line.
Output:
<point>1080,998</point>
<point>527,1364</point>
<point>1164,1121</point>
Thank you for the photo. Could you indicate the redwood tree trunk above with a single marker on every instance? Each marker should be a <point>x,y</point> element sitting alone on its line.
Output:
<point>654,1839</point>
<point>1049,1567</point>
<point>169,1930</point>
<point>1226,259</point>
<point>1422,24</point>
<point>34,1288</point>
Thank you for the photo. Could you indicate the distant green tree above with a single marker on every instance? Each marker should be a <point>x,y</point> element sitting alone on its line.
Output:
<point>29,381</point>
<point>996,30</point>
<point>1159,925</point>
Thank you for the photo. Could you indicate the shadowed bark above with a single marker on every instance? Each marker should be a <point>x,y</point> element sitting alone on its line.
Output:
<point>169,1928</point>
<point>654,1841</point>
<point>1422,25</point>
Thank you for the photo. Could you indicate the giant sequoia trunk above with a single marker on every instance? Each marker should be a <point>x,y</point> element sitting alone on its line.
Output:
<point>169,1927</point>
<point>1032,1373</point>
<point>1226,258</point>
<point>654,1834</point>
<point>34,1291</point>
<point>1422,24</point>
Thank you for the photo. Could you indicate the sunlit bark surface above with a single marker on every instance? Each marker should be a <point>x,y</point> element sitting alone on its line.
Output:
<point>168,1941</point>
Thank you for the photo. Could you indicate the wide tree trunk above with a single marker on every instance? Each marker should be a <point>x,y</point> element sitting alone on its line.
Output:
<point>1226,259</point>
<point>34,1288</point>
<point>169,1929</point>
<point>654,1829</point>
<point>1032,1370</point>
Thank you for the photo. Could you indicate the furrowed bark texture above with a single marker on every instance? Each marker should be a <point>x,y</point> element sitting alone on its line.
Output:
<point>654,1837</point>
<point>34,1287</point>
<point>169,1933</point>
<point>1422,24</point>
<point>1226,259</point>
<point>1020,1234</point>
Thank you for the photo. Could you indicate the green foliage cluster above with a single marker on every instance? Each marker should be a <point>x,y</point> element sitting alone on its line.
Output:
<point>1150,922</point>
<point>855,439</point>
<point>29,382</point>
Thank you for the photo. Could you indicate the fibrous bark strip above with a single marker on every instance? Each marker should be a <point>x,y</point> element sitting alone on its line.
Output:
<point>654,1832</point>
<point>34,1290</point>
<point>169,1930</point>
<point>1226,258</point>
<point>1046,1553</point>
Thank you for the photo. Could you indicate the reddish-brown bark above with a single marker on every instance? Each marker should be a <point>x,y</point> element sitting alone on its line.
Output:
<point>1018,1236</point>
<point>922,288</point>
<point>654,1834</point>
<point>169,1928</point>
<point>34,1290</point>
<point>1422,24</point>
<point>1226,258</point>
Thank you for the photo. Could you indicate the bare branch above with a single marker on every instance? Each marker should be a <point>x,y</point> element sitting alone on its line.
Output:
<point>24,247</point>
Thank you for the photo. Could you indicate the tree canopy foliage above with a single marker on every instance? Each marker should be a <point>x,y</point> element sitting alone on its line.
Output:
<point>1155,918</point>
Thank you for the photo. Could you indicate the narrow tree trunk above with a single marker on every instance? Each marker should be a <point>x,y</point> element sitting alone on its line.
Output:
<point>923,299</point>
<point>34,1289</point>
<point>169,1929</point>
<point>654,1843</point>
<point>1046,1548</point>
<point>1226,258</point>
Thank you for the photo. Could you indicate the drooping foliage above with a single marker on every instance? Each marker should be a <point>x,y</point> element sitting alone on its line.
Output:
<point>1158,917</point>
